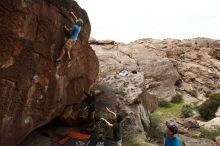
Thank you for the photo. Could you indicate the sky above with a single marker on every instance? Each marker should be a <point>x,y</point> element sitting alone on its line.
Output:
<point>129,20</point>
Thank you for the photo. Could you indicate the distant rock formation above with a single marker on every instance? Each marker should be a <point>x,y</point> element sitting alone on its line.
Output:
<point>167,64</point>
<point>33,90</point>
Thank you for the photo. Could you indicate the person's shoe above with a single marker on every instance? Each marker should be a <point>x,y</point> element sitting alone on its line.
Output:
<point>58,61</point>
<point>67,60</point>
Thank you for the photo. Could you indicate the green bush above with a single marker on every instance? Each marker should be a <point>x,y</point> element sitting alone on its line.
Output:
<point>187,111</point>
<point>193,93</point>
<point>208,109</point>
<point>164,103</point>
<point>155,131</point>
<point>137,140</point>
<point>177,98</point>
<point>210,134</point>
<point>207,94</point>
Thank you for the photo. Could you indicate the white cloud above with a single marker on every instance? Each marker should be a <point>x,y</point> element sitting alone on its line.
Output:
<point>128,20</point>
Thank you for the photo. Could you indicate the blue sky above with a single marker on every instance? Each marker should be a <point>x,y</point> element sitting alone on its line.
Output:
<point>128,20</point>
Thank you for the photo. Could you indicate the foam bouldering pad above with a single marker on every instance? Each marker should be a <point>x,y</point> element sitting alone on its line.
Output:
<point>100,142</point>
<point>76,142</point>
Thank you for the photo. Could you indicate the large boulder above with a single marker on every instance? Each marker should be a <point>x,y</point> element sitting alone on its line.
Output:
<point>217,139</point>
<point>194,60</point>
<point>217,114</point>
<point>121,82</point>
<point>33,90</point>
<point>217,53</point>
<point>159,73</point>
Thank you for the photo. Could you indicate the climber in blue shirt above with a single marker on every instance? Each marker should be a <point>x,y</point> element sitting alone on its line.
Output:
<point>169,136</point>
<point>73,34</point>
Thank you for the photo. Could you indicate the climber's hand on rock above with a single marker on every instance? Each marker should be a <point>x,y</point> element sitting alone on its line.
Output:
<point>72,13</point>
<point>107,109</point>
<point>103,119</point>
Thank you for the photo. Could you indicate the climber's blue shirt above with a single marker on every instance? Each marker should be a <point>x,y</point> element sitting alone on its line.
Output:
<point>75,32</point>
<point>171,142</point>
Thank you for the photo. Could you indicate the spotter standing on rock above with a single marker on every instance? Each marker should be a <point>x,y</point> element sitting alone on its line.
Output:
<point>116,127</point>
<point>74,32</point>
<point>169,136</point>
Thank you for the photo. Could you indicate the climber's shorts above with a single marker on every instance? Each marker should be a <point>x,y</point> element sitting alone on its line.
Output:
<point>69,44</point>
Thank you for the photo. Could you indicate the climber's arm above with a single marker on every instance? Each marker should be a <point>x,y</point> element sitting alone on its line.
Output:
<point>67,28</point>
<point>73,16</point>
<point>109,124</point>
<point>111,112</point>
<point>87,94</point>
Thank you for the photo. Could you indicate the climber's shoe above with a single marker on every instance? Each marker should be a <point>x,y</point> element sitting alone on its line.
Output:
<point>58,61</point>
<point>67,60</point>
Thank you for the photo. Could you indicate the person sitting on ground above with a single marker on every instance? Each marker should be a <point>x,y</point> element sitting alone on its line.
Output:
<point>116,127</point>
<point>74,32</point>
<point>89,104</point>
<point>169,136</point>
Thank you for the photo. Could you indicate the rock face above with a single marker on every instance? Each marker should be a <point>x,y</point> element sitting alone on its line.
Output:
<point>194,60</point>
<point>217,139</point>
<point>134,75</point>
<point>121,88</point>
<point>190,65</point>
<point>159,74</point>
<point>36,139</point>
<point>32,89</point>
<point>217,114</point>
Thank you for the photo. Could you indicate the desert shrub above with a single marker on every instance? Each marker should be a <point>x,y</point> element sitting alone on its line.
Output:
<point>164,103</point>
<point>187,111</point>
<point>208,109</point>
<point>210,134</point>
<point>136,140</point>
<point>155,132</point>
<point>193,93</point>
<point>207,94</point>
<point>177,98</point>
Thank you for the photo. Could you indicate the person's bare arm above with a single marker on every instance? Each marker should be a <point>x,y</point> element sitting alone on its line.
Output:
<point>68,30</point>
<point>109,124</point>
<point>73,16</point>
<point>111,112</point>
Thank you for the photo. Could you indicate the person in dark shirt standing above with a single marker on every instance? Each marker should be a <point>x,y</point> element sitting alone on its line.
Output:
<point>89,104</point>
<point>116,127</point>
